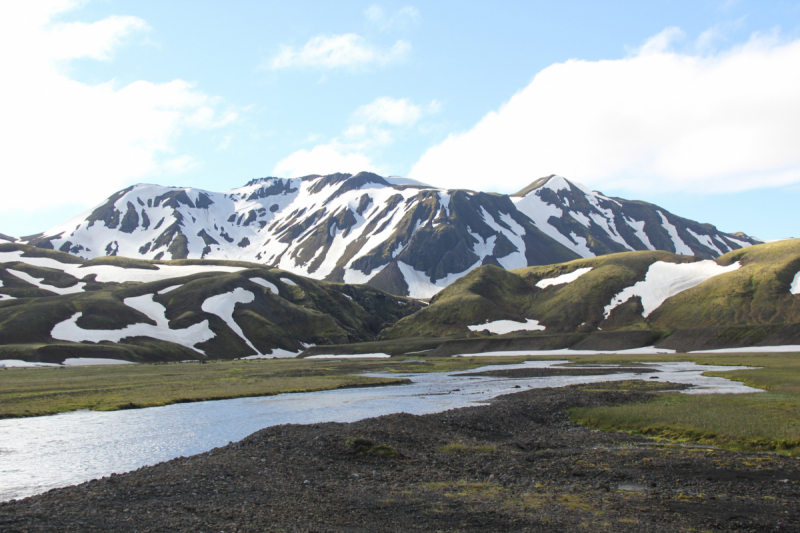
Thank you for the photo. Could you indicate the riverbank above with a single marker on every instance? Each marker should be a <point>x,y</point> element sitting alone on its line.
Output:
<point>518,464</point>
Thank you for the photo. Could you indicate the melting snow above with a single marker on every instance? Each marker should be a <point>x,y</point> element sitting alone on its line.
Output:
<point>351,356</point>
<point>169,289</point>
<point>743,244</point>
<point>108,273</point>
<point>223,305</point>
<point>540,212</point>
<point>580,217</point>
<point>507,326</point>
<point>68,330</point>
<point>421,286</point>
<point>14,363</point>
<point>795,287</point>
<point>265,283</point>
<point>664,280</point>
<point>277,353</point>
<point>288,281</point>
<point>638,228</point>
<point>680,246</point>
<point>38,282</point>
<point>91,361</point>
<point>356,277</point>
<point>754,349</point>
<point>566,352</point>
<point>563,278</point>
<point>705,240</point>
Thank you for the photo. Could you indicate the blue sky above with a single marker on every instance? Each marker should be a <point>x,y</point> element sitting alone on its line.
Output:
<point>694,106</point>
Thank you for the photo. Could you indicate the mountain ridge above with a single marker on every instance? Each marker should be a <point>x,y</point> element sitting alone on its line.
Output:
<point>405,238</point>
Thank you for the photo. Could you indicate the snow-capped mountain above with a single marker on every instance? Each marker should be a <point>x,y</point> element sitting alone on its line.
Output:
<point>398,235</point>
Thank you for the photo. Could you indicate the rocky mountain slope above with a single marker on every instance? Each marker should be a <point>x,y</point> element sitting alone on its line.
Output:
<point>56,306</point>
<point>399,236</point>
<point>653,290</point>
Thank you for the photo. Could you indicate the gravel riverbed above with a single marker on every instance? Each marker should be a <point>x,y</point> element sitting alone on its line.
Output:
<point>517,464</point>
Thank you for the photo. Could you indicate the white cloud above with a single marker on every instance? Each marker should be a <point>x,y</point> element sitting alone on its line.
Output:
<point>403,17</point>
<point>394,111</point>
<point>63,141</point>
<point>324,159</point>
<point>366,134</point>
<point>349,51</point>
<point>656,120</point>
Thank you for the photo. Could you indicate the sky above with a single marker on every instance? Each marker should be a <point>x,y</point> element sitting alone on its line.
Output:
<point>691,105</point>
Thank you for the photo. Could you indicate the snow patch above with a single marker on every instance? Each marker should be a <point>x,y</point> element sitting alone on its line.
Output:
<point>507,326</point>
<point>288,281</point>
<point>169,289</point>
<point>91,361</point>
<point>791,348</point>
<point>580,217</point>
<point>223,306</point>
<point>566,352</point>
<point>795,286</point>
<point>421,286</point>
<point>351,356</point>
<point>68,330</point>
<point>356,277</point>
<point>705,240</point>
<point>24,276</point>
<point>18,363</point>
<point>664,280</point>
<point>680,246</point>
<point>743,244</point>
<point>638,229</point>
<point>277,353</point>
<point>265,283</point>
<point>563,278</point>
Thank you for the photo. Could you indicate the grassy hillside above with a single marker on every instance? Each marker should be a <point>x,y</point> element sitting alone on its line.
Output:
<point>490,293</point>
<point>304,311</point>
<point>757,293</point>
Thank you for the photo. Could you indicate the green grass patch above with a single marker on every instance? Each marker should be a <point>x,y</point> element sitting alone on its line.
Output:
<point>463,449</point>
<point>767,421</point>
<point>50,390</point>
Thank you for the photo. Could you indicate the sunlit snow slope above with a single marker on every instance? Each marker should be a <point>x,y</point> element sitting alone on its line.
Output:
<point>400,236</point>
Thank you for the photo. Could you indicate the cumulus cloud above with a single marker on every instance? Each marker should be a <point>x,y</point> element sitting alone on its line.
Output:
<point>63,141</point>
<point>401,19</point>
<point>350,51</point>
<point>656,120</point>
<point>371,127</point>
<point>324,159</point>
<point>395,111</point>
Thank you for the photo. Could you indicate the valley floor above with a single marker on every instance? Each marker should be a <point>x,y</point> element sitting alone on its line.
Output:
<point>518,464</point>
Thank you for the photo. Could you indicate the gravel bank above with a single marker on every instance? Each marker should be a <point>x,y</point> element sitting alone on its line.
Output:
<point>515,465</point>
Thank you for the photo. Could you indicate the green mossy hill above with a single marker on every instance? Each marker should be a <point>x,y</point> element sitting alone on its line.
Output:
<point>756,293</point>
<point>304,311</point>
<point>490,293</point>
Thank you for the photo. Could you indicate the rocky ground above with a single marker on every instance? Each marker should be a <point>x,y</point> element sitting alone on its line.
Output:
<point>515,465</point>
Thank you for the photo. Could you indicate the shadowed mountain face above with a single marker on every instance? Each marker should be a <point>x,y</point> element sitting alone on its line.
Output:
<point>403,238</point>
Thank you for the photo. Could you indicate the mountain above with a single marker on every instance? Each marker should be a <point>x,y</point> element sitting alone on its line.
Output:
<point>55,306</point>
<point>397,235</point>
<point>745,297</point>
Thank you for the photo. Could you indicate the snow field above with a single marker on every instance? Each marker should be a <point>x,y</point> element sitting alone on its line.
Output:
<point>24,276</point>
<point>755,349</point>
<point>109,273</point>
<point>680,246</point>
<point>664,280</point>
<point>507,326</point>
<point>795,286</point>
<point>351,356</point>
<point>69,330</point>
<point>421,286</point>
<point>566,352</point>
<point>563,278</point>
<point>223,305</point>
<point>265,283</point>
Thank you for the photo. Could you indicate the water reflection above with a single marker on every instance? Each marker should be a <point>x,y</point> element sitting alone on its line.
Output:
<point>37,454</point>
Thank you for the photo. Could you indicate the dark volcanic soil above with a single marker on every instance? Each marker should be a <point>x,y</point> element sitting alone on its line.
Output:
<point>521,466</point>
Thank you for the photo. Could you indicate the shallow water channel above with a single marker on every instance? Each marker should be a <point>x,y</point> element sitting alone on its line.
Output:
<point>40,453</point>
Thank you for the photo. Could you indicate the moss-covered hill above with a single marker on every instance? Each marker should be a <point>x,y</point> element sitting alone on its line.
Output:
<point>755,294</point>
<point>284,311</point>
